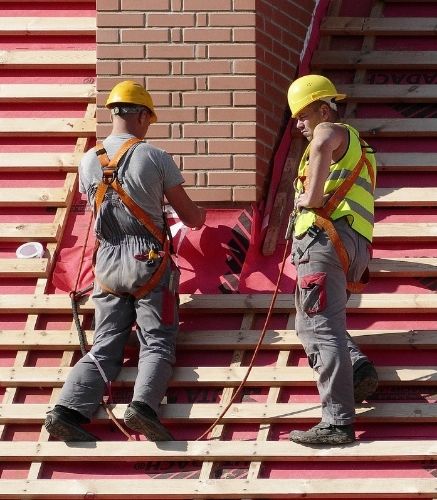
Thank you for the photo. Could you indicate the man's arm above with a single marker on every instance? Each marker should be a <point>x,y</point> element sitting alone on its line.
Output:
<point>189,213</point>
<point>327,137</point>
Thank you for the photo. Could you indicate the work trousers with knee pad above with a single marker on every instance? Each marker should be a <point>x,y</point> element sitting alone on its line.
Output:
<point>321,297</point>
<point>157,322</point>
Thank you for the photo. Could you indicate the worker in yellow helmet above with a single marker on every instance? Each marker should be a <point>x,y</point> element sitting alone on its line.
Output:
<point>136,281</point>
<point>332,233</point>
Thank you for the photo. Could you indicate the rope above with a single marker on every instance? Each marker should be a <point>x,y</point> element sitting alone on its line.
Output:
<point>261,338</point>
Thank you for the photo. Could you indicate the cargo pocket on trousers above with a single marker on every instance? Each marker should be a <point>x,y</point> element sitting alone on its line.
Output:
<point>313,292</point>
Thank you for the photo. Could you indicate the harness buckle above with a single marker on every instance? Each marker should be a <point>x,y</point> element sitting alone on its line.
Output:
<point>313,231</point>
<point>108,176</point>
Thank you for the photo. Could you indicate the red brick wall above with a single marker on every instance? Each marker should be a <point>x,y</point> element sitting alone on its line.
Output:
<point>218,71</point>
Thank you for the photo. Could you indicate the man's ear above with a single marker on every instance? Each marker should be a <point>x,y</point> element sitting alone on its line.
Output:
<point>326,110</point>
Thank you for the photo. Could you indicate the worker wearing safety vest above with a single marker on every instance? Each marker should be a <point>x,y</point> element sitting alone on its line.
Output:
<point>333,226</point>
<point>136,281</point>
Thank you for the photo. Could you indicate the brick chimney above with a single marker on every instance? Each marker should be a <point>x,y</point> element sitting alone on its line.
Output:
<point>218,72</point>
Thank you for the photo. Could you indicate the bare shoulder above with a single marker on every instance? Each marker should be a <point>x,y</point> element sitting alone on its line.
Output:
<point>331,128</point>
<point>330,133</point>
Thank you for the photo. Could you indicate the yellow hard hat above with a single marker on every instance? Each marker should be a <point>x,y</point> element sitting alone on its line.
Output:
<point>308,89</point>
<point>130,92</point>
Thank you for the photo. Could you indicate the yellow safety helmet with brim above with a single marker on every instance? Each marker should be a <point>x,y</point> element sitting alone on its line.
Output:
<point>308,89</point>
<point>130,92</point>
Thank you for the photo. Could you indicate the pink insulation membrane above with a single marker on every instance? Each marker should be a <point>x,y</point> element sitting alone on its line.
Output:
<point>223,257</point>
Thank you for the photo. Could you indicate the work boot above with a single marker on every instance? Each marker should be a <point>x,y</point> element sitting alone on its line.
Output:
<point>65,424</point>
<point>141,418</point>
<point>323,433</point>
<point>365,382</point>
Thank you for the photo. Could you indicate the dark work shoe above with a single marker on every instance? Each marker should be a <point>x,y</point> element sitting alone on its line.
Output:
<point>141,418</point>
<point>323,433</point>
<point>64,424</point>
<point>365,382</point>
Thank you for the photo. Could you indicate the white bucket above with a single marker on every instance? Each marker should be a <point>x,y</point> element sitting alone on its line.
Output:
<point>30,250</point>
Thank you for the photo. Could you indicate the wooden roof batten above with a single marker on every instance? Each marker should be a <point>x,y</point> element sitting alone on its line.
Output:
<point>33,338</point>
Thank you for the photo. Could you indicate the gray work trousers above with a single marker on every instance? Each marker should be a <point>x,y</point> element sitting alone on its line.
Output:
<point>321,297</point>
<point>157,321</point>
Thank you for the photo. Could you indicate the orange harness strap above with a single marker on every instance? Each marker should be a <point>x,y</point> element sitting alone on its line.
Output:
<point>324,221</point>
<point>109,179</point>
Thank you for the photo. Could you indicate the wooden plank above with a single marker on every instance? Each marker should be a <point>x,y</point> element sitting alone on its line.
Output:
<point>405,197</point>
<point>382,26</point>
<point>24,268</point>
<point>50,92</point>
<point>377,59</point>
<point>22,232</point>
<point>218,339</point>
<point>425,303</point>
<point>217,450</point>
<point>404,267</point>
<point>218,488</point>
<point>48,26</point>
<point>406,161</point>
<point>48,59</point>
<point>39,162</point>
<point>261,413</point>
<point>25,162</point>
<point>389,93</point>
<point>218,376</point>
<point>55,127</point>
<point>33,197</point>
<point>395,127</point>
<point>421,231</point>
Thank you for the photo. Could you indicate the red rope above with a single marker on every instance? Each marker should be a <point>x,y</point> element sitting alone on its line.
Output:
<point>261,338</point>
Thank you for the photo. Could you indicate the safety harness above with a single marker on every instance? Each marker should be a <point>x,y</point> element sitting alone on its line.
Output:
<point>109,179</point>
<point>323,215</point>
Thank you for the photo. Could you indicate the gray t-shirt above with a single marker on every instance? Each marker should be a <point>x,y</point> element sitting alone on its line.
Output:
<point>145,172</point>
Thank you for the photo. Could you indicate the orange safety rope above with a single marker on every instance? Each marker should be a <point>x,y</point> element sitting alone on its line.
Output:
<point>258,345</point>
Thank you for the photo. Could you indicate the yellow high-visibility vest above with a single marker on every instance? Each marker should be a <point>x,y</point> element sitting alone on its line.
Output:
<point>358,204</point>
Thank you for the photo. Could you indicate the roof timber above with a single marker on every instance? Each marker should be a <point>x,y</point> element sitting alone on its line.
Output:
<point>48,197</point>
<point>405,197</point>
<point>223,376</point>
<point>48,92</point>
<point>395,127</point>
<point>55,127</point>
<point>219,488</point>
<point>48,59</point>
<point>403,267</point>
<point>40,162</point>
<point>32,197</point>
<point>48,26</point>
<point>271,412</point>
<point>405,161</point>
<point>59,197</point>
<point>420,231</point>
<point>389,93</point>
<point>382,26</point>
<point>24,268</point>
<point>225,450</point>
<point>22,232</point>
<point>219,339</point>
<point>377,59</point>
<point>232,303</point>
